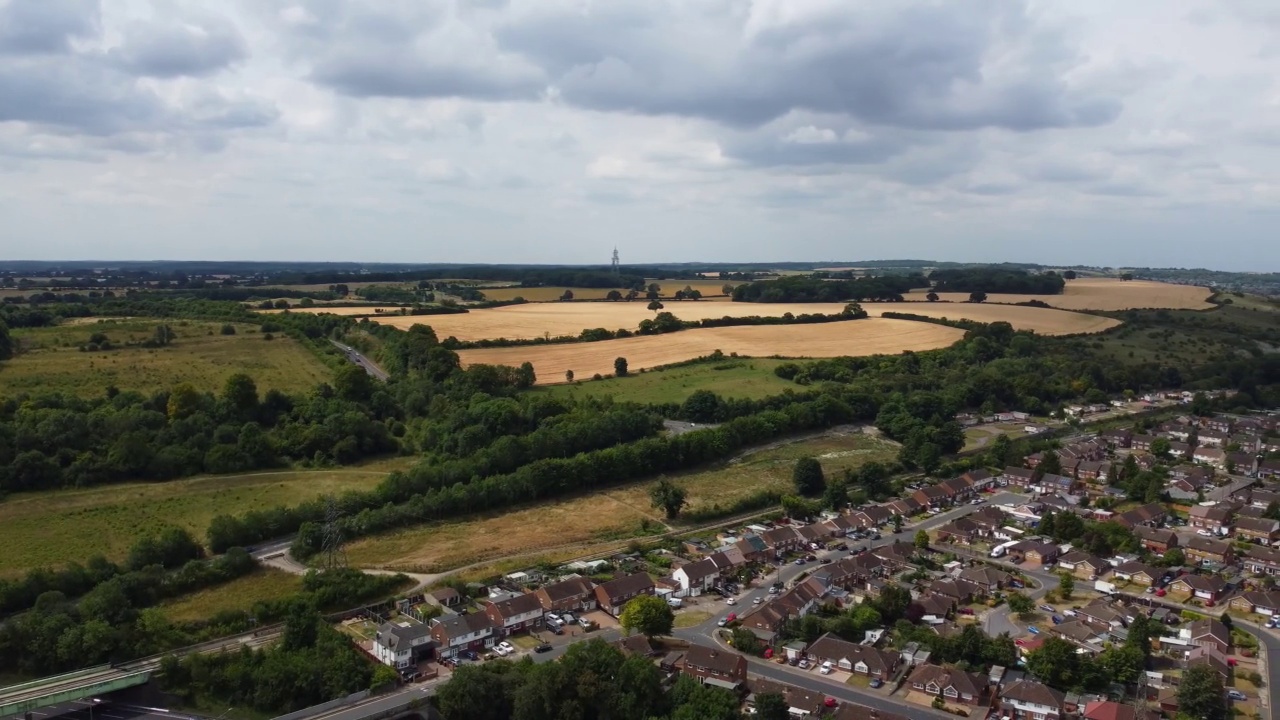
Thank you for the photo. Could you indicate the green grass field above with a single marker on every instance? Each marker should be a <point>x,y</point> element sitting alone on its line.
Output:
<point>51,359</point>
<point>750,378</point>
<point>1191,336</point>
<point>239,594</point>
<point>53,528</point>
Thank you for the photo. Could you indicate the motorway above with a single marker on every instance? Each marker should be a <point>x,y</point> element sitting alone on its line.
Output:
<point>369,366</point>
<point>90,710</point>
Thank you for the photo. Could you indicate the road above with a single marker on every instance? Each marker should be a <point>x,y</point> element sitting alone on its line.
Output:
<point>89,710</point>
<point>369,366</point>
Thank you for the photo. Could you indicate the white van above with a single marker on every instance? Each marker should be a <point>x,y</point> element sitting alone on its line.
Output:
<point>675,602</point>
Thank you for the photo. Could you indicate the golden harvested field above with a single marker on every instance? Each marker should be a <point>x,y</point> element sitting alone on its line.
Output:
<point>1108,294</point>
<point>872,336</point>
<point>443,546</point>
<point>556,319</point>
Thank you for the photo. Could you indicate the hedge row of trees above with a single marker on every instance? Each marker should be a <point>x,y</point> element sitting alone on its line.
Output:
<point>802,289</point>
<point>997,280</point>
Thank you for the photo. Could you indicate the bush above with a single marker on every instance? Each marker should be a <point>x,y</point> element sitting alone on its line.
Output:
<point>228,329</point>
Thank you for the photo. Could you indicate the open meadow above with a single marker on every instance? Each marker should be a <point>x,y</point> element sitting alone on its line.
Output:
<point>51,359</point>
<point>50,529</point>
<point>566,528</point>
<point>750,378</point>
<point>872,336</point>
<point>708,288</point>
<point>1106,294</point>
<point>240,594</point>
<point>556,319</point>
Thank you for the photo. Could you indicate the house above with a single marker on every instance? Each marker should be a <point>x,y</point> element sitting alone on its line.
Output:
<point>713,666</point>
<point>1210,517</point>
<point>1119,438</point>
<point>517,614</point>
<point>1262,603</point>
<point>1078,632</point>
<point>1138,573</point>
<point>961,531</point>
<point>987,520</point>
<point>800,702</point>
<point>696,578</point>
<point>1263,529</point>
<point>871,516</point>
<point>961,592</point>
<point>987,578</point>
<point>1083,565</point>
<point>1111,710</point>
<point>1263,498</point>
<point>1036,552</point>
<point>1016,477</point>
<point>1204,587</point>
<point>1213,438</point>
<point>1180,450</point>
<point>855,658</point>
<point>980,479</point>
<point>752,548</point>
<point>904,507</point>
<point>1219,423</point>
<point>851,711</point>
<point>1207,633</point>
<point>1094,471</point>
<point>613,595</point>
<point>1202,549</point>
<point>1157,540</point>
<point>635,645</point>
<point>1268,469</point>
<point>938,607</point>
<point>781,540</point>
<point>766,621</point>
<point>454,633</point>
<point>1031,700</point>
<point>1262,561</point>
<point>1141,443</point>
<point>1150,515</point>
<point>401,646</point>
<point>840,525</point>
<point>569,595</point>
<point>899,554</point>
<point>1211,656</point>
<point>951,684</point>
<point>932,496</point>
<point>1060,484</point>
<point>446,597</point>
<point>1101,615</point>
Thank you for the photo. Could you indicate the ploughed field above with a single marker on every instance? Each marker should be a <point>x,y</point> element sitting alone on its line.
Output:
<point>1106,294</point>
<point>557,319</point>
<point>872,336</point>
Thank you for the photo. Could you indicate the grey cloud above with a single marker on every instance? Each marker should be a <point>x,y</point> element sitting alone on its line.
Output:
<point>1065,172</point>
<point>923,67</point>
<point>177,49</point>
<point>35,27</point>
<point>74,94</point>
<point>371,73</point>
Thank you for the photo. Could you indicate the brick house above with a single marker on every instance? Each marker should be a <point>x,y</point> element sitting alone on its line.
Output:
<point>1262,603</point>
<point>517,614</point>
<point>1262,561</point>
<point>951,684</point>
<point>1209,517</point>
<point>713,666</point>
<point>1151,514</point>
<point>854,658</point>
<point>613,595</point>
<point>1141,443</point>
<point>1016,477</point>
<point>1119,438</point>
<point>454,633</point>
<point>932,496</point>
<point>569,595</point>
<point>781,540</point>
<point>1203,587</point>
<point>1157,540</point>
<point>1263,529</point>
<point>400,646</point>
<point>1082,565</point>
<point>986,577</point>
<point>1202,549</point>
<point>1207,633</point>
<point>1138,573</point>
<point>1036,552</point>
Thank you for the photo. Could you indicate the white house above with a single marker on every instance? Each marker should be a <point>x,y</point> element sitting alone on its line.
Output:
<point>1031,699</point>
<point>402,645</point>
<point>696,577</point>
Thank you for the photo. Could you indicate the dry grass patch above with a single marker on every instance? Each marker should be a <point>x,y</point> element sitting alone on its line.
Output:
<point>444,546</point>
<point>50,529</point>
<point>1108,294</point>
<point>346,310</point>
<point>1045,321</point>
<point>239,594</point>
<point>859,337</point>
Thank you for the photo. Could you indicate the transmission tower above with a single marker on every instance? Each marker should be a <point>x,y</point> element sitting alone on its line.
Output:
<point>334,556</point>
<point>1140,695</point>
<point>616,267</point>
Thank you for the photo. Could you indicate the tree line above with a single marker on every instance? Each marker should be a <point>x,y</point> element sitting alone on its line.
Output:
<point>804,289</point>
<point>997,280</point>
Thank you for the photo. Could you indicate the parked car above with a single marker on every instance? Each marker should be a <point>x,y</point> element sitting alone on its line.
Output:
<point>1237,695</point>
<point>799,561</point>
<point>1016,584</point>
<point>772,591</point>
<point>794,661</point>
<point>1204,533</point>
<point>1033,629</point>
<point>508,647</point>
<point>966,611</point>
<point>1159,592</point>
<point>1046,608</point>
<point>810,558</point>
<point>731,617</point>
<point>556,630</point>
<point>1057,620</point>
<point>768,653</point>
<point>552,617</point>
<point>567,619</point>
<point>500,650</point>
<point>826,668</point>
<point>976,501</point>
<point>826,561</point>
<point>804,664</point>
<point>542,647</point>
<point>1150,590</point>
<point>842,546</point>
<point>876,682</point>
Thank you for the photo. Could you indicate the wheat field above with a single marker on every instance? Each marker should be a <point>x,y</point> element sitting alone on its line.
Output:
<point>1107,294</point>
<point>556,319</point>
<point>872,336</point>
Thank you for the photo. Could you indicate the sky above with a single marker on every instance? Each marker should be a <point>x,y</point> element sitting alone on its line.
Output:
<point>1135,133</point>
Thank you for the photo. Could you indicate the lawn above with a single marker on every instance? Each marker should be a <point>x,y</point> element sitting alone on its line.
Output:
<point>53,528</point>
<point>730,378</point>
<point>239,594</point>
<point>51,359</point>
<point>691,618</point>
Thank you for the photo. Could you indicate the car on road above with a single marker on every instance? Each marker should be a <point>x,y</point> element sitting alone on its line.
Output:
<point>876,682</point>
<point>842,546</point>
<point>810,558</point>
<point>826,667</point>
<point>1237,695</point>
<point>826,561</point>
<point>1273,622</point>
<point>976,501</point>
<point>1033,629</point>
<point>773,590</point>
<point>730,601</point>
<point>1047,608</point>
<point>756,601</point>
<point>542,647</point>
<point>722,622</point>
<point>799,561</point>
<point>508,647</point>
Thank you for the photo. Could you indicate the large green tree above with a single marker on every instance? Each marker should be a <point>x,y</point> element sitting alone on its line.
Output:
<point>6,342</point>
<point>647,614</point>
<point>1201,694</point>
<point>668,496</point>
<point>808,478</point>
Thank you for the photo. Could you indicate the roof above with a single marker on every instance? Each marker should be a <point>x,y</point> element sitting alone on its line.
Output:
<point>1264,554</point>
<point>446,595</point>
<point>985,575</point>
<point>569,588</point>
<point>851,711</point>
<point>714,659</point>
<point>831,647</point>
<point>1210,512</point>
<point>1018,472</point>
<point>1209,627</point>
<point>518,605</point>
<point>1133,567</point>
<point>454,625</point>
<point>1028,546</point>
<point>779,535</point>
<point>1076,557</point>
<point>634,645</point>
<point>1159,535</point>
<point>391,635</point>
<point>1258,525</point>
<point>1033,692</point>
<point>1206,545</point>
<point>1209,655</point>
<point>626,585</point>
<point>1110,710</point>
<point>703,568</point>
<point>943,677</point>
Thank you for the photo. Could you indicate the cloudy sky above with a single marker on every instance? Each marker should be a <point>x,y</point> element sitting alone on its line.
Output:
<point>1143,132</point>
